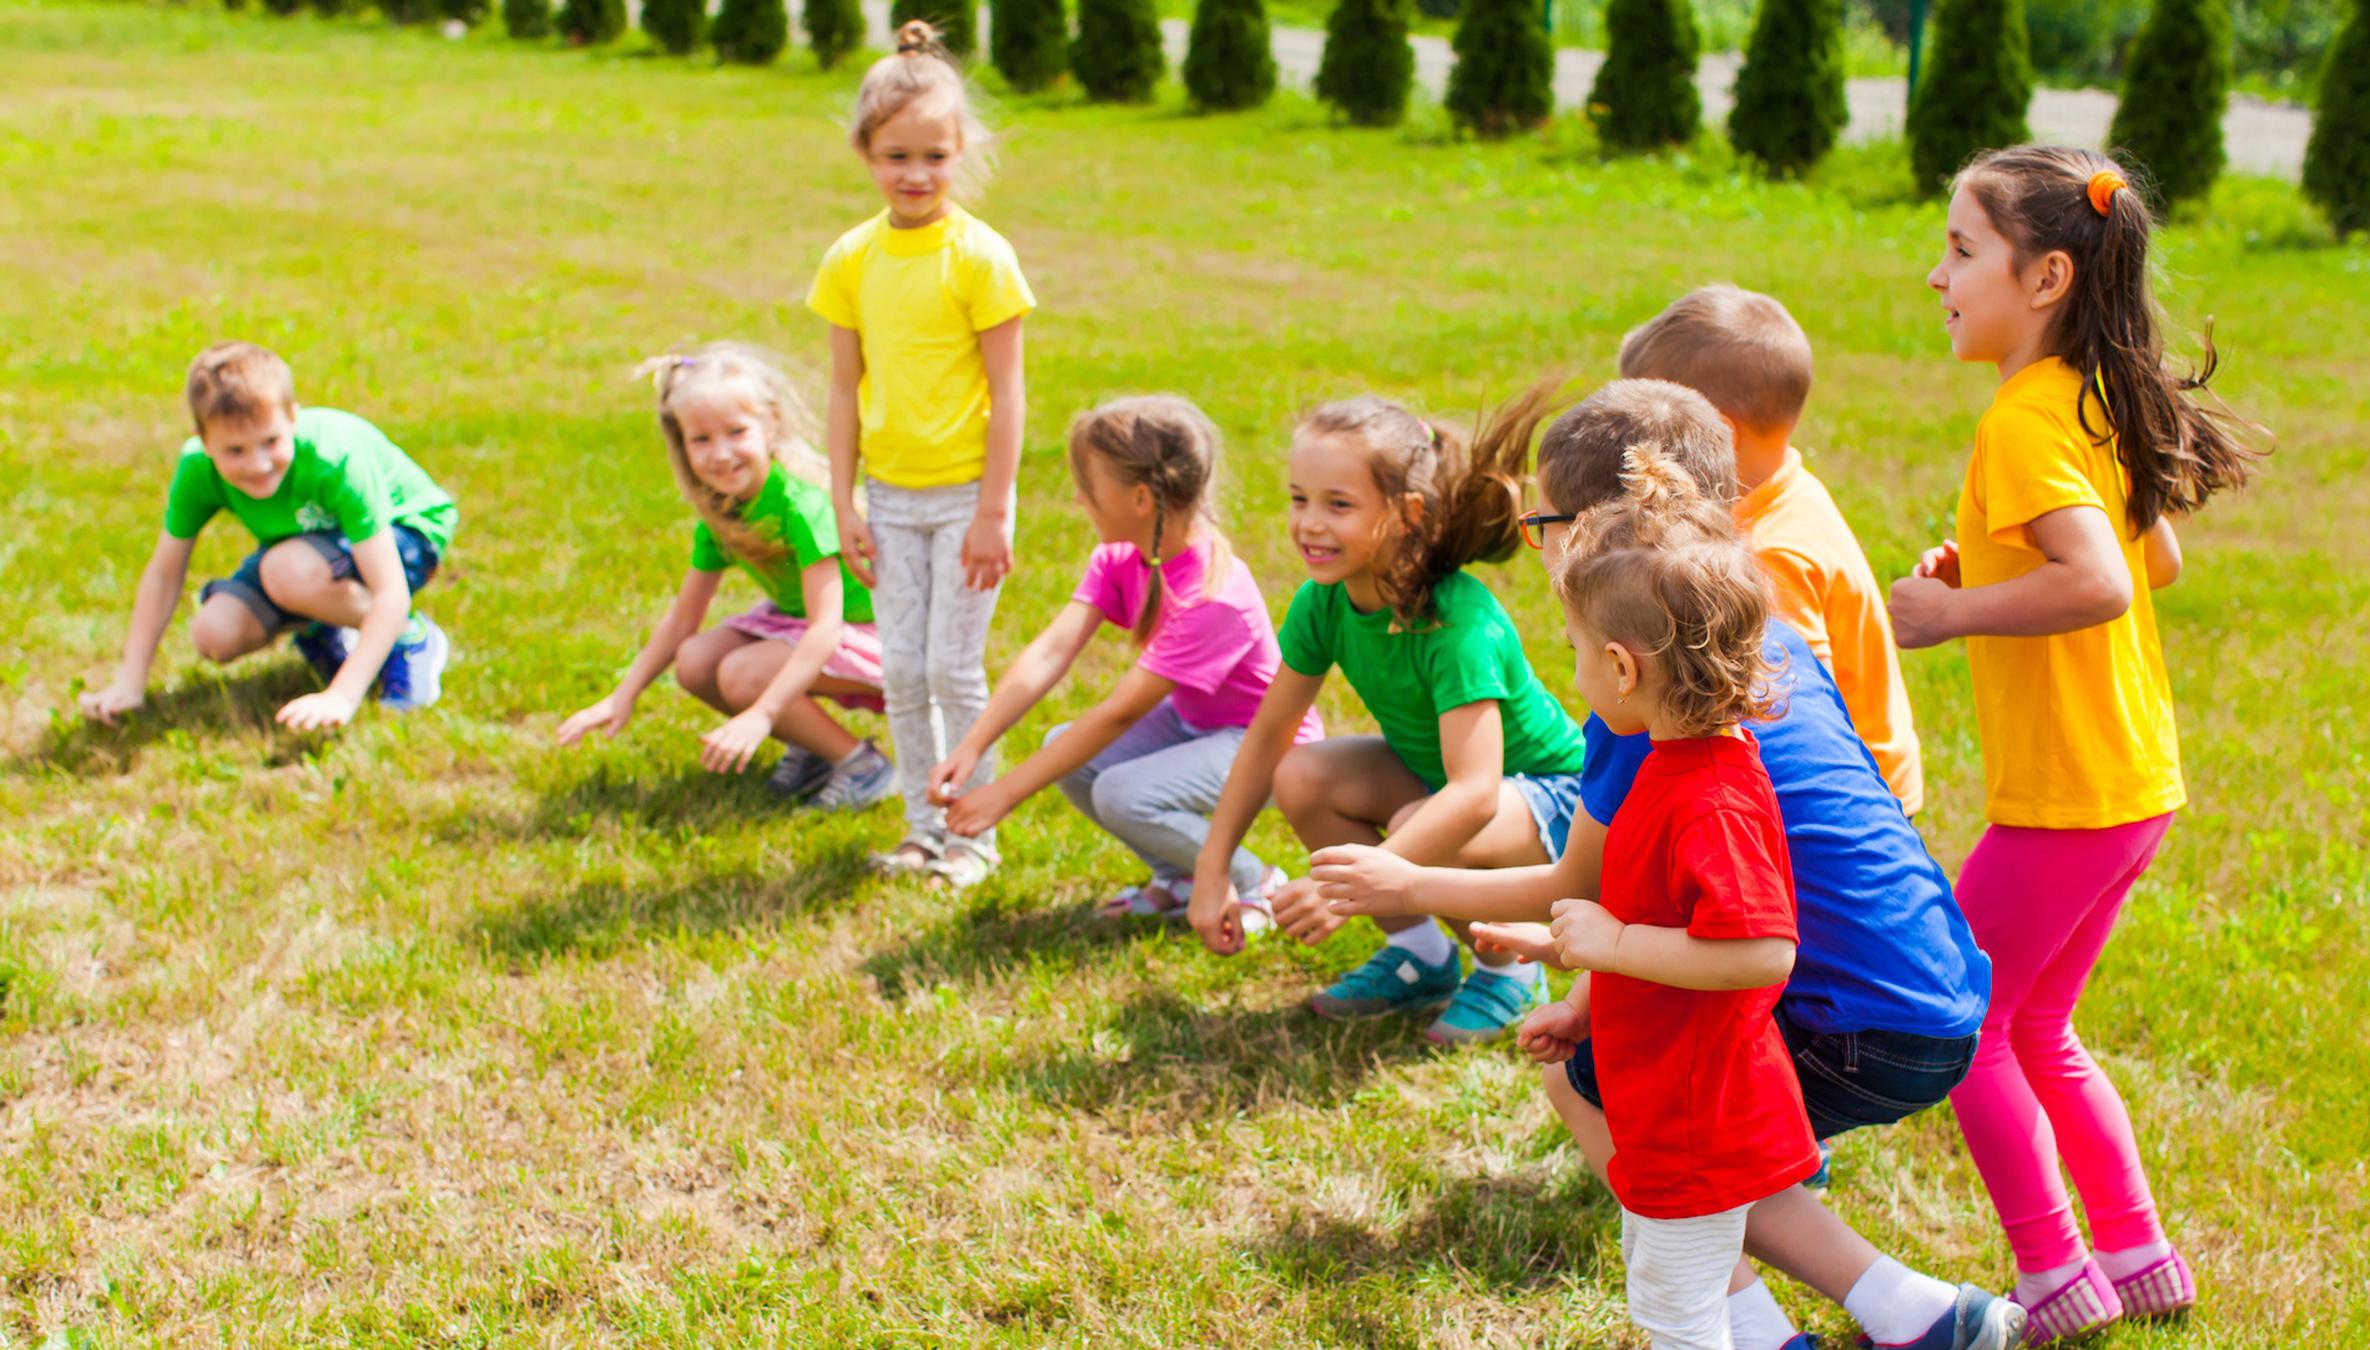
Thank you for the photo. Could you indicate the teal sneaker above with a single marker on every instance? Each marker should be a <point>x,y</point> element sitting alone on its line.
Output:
<point>1391,981</point>
<point>1486,1004</point>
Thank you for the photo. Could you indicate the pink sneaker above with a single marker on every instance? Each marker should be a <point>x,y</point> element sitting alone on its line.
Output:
<point>2165,1289</point>
<point>2081,1305</point>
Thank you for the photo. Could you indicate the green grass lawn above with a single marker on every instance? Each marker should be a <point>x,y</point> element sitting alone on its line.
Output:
<point>429,1033</point>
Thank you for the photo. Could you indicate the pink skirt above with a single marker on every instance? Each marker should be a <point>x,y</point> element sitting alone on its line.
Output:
<point>858,660</point>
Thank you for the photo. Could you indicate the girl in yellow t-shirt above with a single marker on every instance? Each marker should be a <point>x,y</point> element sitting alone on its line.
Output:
<point>2089,452</point>
<point>925,304</point>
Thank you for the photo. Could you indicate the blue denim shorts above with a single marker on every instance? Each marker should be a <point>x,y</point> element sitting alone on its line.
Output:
<point>1850,1079</point>
<point>412,548</point>
<point>1552,797</point>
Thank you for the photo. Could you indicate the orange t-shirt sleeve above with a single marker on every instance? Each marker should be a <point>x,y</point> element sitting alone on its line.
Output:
<point>1798,590</point>
<point>2031,465</point>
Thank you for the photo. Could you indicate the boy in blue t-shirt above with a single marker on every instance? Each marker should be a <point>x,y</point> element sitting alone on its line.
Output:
<point>347,528</point>
<point>1888,987</point>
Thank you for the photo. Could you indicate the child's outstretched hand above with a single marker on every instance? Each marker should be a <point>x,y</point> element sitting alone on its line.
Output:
<point>1301,911</point>
<point>856,547</point>
<point>946,781</point>
<point>1526,941</point>
<point>987,552</point>
<point>1214,914</point>
<point>105,705</point>
<point>1585,934</point>
<point>1920,607</point>
<point>729,748</point>
<point>1551,1034</point>
<point>1362,879</point>
<point>977,811</point>
<point>609,715</point>
<point>315,712</point>
<point>1941,562</point>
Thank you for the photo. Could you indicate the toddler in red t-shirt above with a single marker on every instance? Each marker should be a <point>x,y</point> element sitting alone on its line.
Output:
<point>1694,935</point>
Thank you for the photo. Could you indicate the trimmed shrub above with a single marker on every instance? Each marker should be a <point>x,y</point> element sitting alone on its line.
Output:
<point>588,23</point>
<point>1645,95</point>
<point>527,19</point>
<point>284,7</point>
<point>1116,55</point>
<point>1368,66</point>
<point>1028,40</point>
<point>833,29</point>
<point>957,21</point>
<point>470,12</point>
<point>675,25</point>
<point>752,32</point>
<point>331,8</point>
<point>408,11</point>
<point>2337,159</point>
<point>2170,119</point>
<point>1504,78</point>
<point>1977,83</point>
<point>2081,41</point>
<point>1789,96</point>
<point>1229,62</point>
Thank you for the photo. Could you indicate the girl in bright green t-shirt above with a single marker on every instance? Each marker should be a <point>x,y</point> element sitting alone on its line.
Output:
<point>737,436</point>
<point>1477,764</point>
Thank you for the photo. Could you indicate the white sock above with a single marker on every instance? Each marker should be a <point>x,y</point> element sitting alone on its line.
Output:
<point>2131,1261</point>
<point>1895,1305</point>
<point>1426,942</point>
<point>2034,1285</point>
<point>1756,1322</point>
<point>1521,971</point>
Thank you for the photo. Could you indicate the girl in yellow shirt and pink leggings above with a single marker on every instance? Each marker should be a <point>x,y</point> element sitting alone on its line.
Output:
<point>2088,454</point>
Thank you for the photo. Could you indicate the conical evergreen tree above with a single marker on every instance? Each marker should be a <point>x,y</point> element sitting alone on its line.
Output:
<point>1368,66</point>
<point>1978,82</point>
<point>833,28</point>
<point>1116,55</point>
<point>1229,62</point>
<point>2337,159</point>
<point>1029,41</point>
<point>527,19</point>
<point>675,25</point>
<point>1504,78</point>
<point>2175,89</point>
<point>1789,96</point>
<point>591,22</point>
<point>1645,94</point>
<point>957,21</point>
<point>284,7</point>
<point>751,32</point>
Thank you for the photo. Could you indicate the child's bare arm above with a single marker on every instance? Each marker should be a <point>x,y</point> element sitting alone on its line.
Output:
<point>840,424</point>
<point>380,571</point>
<point>1139,692</point>
<point>152,612</point>
<point>1364,879</point>
<point>2082,583</point>
<point>987,547</point>
<point>729,748</point>
<point>677,625</point>
<point>2164,554</point>
<point>1289,697</point>
<point>1590,938</point>
<point>1473,750</point>
<point>1032,675</point>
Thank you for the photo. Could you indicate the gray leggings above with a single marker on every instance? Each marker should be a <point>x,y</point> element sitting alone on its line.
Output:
<point>934,632</point>
<point>1154,789</point>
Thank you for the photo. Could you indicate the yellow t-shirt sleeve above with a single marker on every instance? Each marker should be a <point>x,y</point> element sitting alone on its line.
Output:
<point>2030,465</point>
<point>833,294</point>
<point>1798,591</point>
<point>994,291</point>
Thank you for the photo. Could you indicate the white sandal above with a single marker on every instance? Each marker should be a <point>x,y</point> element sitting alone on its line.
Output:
<point>1154,899</point>
<point>964,863</point>
<point>914,855</point>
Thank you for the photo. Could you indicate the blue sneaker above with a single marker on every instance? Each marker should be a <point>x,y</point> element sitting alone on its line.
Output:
<point>868,778</point>
<point>1391,981</point>
<point>1486,1004</point>
<point>413,677</point>
<point>324,648</point>
<point>1977,1321</point>
<point>1802,1341</point>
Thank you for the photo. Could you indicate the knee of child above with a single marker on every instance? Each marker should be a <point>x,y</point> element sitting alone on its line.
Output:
<point>1117,798</point>
<point>293,572</point>
<point>218,636</point>
<point>695,670</point>
<point>957,681</point>
<point>1300,781</point>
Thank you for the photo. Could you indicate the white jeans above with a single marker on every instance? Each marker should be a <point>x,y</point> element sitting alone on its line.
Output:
<point>934,632</point>
<point>1678,1276</point>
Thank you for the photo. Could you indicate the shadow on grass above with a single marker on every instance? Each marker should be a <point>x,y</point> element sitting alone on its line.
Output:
<point>1513,1233</point>
<point>202,705</point>
<point>992,936</point>
<point>600,919</point>
<point>683,797</point>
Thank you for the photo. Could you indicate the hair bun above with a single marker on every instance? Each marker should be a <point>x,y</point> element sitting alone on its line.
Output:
<point>916,35</point>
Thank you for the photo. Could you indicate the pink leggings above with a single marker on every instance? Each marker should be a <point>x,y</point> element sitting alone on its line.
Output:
<point>2042,903</point>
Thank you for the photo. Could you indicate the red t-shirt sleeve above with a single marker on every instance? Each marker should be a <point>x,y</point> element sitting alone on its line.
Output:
<point>1729,880</point>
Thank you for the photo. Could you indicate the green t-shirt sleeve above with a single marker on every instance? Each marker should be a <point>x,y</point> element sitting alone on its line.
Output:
<point>809,527</point>
<point>706,554</point>
<point>195,496</point>
<point>1464,659</point>
<point>1302,638</point>
<point>358,495</point>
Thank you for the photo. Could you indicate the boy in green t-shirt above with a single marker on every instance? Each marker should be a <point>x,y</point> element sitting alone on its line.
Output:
<point>347,528</point>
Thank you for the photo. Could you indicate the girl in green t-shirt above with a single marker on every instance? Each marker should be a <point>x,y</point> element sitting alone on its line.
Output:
<point>1477,764</point>
<point>737,435</point>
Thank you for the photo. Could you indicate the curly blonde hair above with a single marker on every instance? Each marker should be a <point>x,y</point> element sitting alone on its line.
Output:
<point>741,376</point>
<point>1660,570</point>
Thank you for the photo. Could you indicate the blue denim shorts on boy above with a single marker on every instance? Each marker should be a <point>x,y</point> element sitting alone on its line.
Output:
<point>412,548</point>
<point>1552,797</point>
<point>1850,1079</point>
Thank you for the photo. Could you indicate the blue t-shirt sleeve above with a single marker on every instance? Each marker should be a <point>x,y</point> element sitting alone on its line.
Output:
<point>1609,767</point>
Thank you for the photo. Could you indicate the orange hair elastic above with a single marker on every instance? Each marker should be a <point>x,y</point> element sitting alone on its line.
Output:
<point>2103,186</point>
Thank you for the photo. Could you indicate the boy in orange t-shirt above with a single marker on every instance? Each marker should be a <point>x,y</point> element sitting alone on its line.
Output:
<point>1745,353</point>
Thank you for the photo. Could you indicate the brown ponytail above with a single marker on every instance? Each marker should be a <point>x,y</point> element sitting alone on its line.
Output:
<point>2177,452</point>
<point>1169,447</point>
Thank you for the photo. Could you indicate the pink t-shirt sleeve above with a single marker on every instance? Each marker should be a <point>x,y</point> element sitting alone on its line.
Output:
<point>1103,586</point>
<point>1198,646</point>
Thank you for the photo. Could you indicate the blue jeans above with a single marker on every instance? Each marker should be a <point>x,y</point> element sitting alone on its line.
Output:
<point>1850,1079</point>
<point>1552,797</point>
<point>412,548</point>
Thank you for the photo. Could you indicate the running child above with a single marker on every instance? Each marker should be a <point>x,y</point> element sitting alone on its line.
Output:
<point>736,436</point>
<point>1148,762</point>
<point>347,529</point>
<point>1477,764</point>
<point>2088,453</point>
<point>1745,353</point>
<point>925,304</point>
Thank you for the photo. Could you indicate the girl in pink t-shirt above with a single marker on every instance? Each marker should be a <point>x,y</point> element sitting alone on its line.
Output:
<point>1148,762</point>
